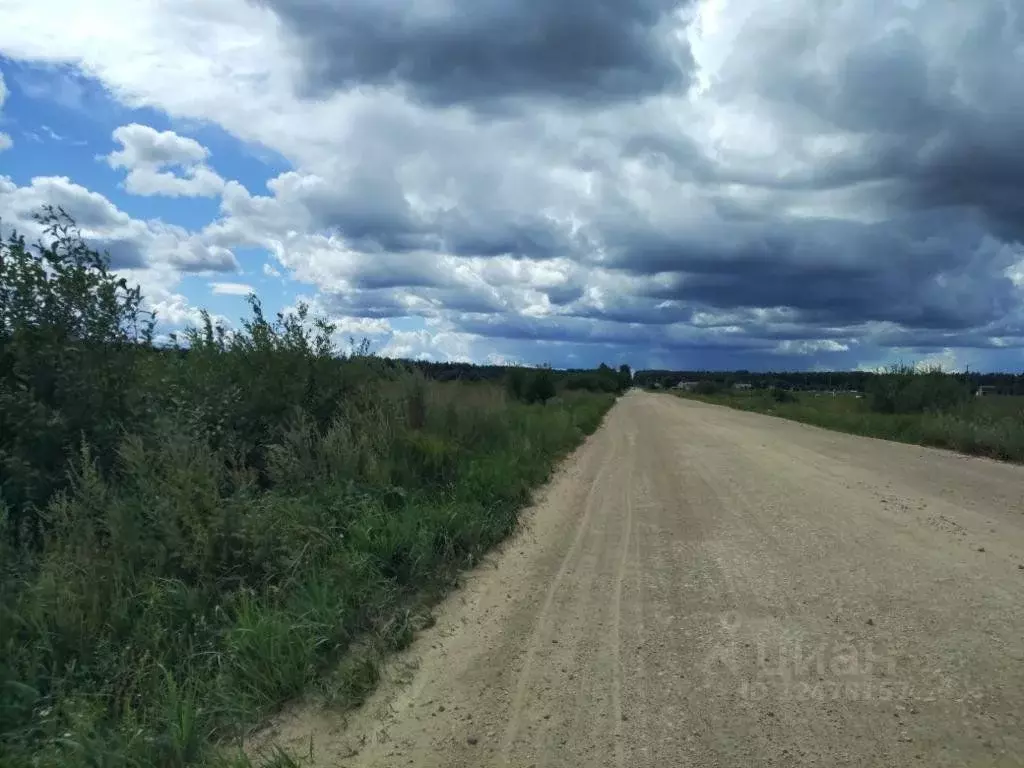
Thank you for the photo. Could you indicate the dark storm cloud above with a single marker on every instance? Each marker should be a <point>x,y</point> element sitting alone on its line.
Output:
<point>370,210</point>
<point>523,237</point>
<point>563,294</point>
<point>372,303</point>
<point>980,168</point>
<point>383,230</point>
<point>395,230</point>
<point>382,271</point>
<point>580,330</point>
<point>934,96</point>
<point>934,270</point>
<point>833,294</point>
<point>457,52</point>
<point>922,340</point>
<point>378,232</point>
<point>637,310</point>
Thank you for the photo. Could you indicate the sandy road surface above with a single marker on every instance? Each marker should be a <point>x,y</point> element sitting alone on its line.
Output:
<point>706,587</point>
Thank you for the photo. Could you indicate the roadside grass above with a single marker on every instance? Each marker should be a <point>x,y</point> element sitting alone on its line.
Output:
<point>176,604</point>
<point>193,534</point>
<point>991,426</point>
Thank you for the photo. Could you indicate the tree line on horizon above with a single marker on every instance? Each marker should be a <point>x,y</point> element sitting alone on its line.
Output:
<point>818,381</point>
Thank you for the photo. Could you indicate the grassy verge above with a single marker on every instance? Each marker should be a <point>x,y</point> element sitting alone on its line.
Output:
<point>174,603</point>
<point>988,426</point>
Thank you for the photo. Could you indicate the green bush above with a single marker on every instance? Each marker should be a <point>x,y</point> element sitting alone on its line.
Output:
<point>905,390</point>
<point>516,384</point>
<point>602,379</point>
<point>69,331</point>
<point>591,381</point>
<point>780,395</point>
<point>542,387</point>
<point>707,387</point>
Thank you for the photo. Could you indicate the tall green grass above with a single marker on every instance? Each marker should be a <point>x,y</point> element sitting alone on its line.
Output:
<point>191,536</point>
<point>990,426</point>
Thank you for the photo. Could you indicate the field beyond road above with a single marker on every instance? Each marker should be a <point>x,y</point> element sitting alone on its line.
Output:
<point>991,426</point>
<point>705,586</point>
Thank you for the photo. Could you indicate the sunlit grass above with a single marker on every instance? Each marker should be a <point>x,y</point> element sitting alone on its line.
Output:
<point>175,602</point>
<point>990,426</point>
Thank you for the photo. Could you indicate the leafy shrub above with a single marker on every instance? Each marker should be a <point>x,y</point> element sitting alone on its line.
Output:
<point>591,381</point>
<point>603,379</point>
<point>542,387</point>
<point>707,387</point>
<point>68,359</point>
<point>516,384</point>
<point>780,395</point>
<point>905,390</point>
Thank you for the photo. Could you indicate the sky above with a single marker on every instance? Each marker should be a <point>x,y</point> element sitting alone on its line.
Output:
<point>800,184</point>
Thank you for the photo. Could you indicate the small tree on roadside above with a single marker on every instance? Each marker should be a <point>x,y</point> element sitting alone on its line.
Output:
<point>904,389</point>
<point>706,387</point>
<point>542,386</point>
<point>625,377</point>
<point>70,331</point>
<point>516,384</point>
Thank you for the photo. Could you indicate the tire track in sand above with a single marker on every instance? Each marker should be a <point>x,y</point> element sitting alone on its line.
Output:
<point>543,625</point>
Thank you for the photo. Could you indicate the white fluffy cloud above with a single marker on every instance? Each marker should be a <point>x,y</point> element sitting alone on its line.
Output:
<point>131,243</point>
<point>431,345</point>
<point>231,289</point>
<point>143,146</point>
<point>147,154</point>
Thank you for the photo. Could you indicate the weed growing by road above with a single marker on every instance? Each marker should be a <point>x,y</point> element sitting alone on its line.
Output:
<point>928,408</point>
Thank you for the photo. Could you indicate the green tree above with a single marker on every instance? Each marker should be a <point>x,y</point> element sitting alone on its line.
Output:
<point>542,386</point>
<point>516,384</point>
<point>625,377</point>
<point>70,332</point>
<point>904,389</point>
<point>706,387</point>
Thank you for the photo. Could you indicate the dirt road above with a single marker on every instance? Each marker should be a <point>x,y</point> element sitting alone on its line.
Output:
<point>705,587</point>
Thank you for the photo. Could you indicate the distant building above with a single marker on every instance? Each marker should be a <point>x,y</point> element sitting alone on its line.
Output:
<point>742,385</point>
<point>985,389</point>
<point>687,386</point>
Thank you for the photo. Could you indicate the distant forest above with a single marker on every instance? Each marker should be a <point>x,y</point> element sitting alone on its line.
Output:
<point>803,381</point>
<point>600,379</point>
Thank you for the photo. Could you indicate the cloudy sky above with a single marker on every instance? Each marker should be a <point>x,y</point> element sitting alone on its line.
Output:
<point>714,183</point>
